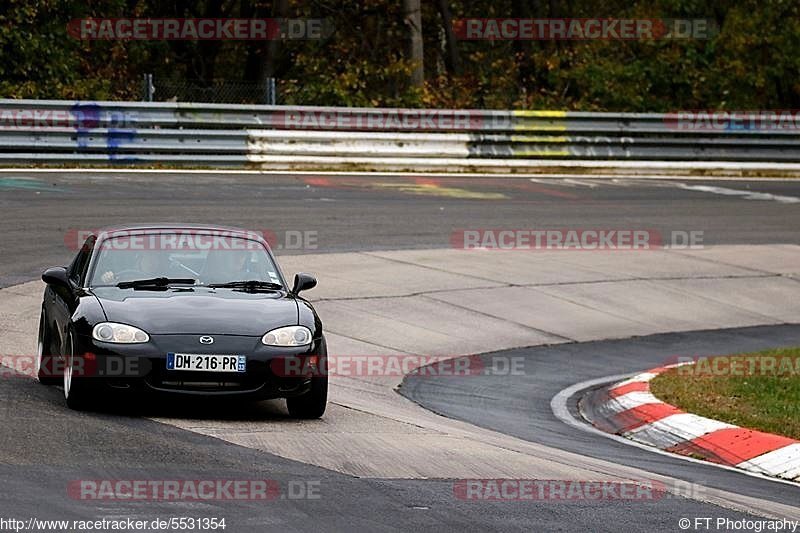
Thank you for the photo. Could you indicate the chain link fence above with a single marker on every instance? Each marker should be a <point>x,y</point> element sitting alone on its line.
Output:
<point>215,92</point>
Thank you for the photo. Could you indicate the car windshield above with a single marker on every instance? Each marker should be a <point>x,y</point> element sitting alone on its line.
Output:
<point>208,259</point>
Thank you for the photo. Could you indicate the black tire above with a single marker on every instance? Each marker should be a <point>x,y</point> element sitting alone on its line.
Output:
<point>45,363</point>
<point>76,389</point>
<point>311,404</point>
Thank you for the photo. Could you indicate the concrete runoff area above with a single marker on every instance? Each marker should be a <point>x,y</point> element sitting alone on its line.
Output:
<point>449,303</point>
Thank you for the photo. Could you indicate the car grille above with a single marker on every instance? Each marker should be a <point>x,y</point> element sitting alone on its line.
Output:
<point>161,378</point>
<point>204,385</point>
<point>258,376</point>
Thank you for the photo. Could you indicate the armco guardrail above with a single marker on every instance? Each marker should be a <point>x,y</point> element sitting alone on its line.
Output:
<point>64,132</point>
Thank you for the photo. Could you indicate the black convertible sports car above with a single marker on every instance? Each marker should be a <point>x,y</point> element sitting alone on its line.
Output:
<point>189,310</point>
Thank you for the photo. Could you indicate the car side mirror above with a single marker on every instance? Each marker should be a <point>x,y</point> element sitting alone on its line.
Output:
<point>303,282</point>
<point>56,276</point>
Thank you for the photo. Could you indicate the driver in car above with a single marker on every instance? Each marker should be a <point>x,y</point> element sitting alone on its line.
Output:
<point>223,266</point>
<point>150,264</point>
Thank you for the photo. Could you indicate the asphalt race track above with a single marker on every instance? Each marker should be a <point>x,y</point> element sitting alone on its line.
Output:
<point>45,447</point>
<point>324,483</point>
<point>519,404</point>
<point>377,213</point>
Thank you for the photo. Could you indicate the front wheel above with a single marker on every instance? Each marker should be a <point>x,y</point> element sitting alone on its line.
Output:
<point>45,362</point>
<point>311,404</point>
<point>76,390</point>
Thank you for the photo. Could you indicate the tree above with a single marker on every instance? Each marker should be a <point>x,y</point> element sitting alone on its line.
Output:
<point>280,10</point>
<point>452,59</point>
<point>412,17</point>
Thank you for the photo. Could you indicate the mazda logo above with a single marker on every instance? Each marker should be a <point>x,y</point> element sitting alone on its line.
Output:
<point>206,339</point>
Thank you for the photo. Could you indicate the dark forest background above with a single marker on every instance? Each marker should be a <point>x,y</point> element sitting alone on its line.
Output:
<point>378,56</point>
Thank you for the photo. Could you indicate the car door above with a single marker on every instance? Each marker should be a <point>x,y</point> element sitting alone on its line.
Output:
<point>64,300</point>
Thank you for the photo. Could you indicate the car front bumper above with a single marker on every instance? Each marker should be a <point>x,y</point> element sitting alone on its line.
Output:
<point>144,366</point>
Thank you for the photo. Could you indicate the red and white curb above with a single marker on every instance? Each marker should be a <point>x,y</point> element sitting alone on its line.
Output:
<point>628,409</point>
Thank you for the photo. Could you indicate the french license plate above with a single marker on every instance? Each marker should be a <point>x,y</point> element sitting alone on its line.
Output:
<point>206,363</point>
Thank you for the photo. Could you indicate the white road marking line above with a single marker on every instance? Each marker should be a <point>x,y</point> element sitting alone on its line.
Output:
<point>747,195</point>
<point>581,183</point>
<point>620,182</point>
<point>550,182</point>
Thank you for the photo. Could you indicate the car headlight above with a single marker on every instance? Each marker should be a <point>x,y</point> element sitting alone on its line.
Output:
<point>288,336</point>
<point>118,333</point>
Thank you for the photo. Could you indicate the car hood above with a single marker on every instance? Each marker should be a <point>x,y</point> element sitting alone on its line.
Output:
<point>198,311</point>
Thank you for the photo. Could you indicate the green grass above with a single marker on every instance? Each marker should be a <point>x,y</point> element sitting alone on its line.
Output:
<point>744,390</point>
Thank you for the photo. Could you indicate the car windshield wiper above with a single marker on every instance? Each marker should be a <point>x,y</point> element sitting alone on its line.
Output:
<point>252,284</point>
<point>155,282</point>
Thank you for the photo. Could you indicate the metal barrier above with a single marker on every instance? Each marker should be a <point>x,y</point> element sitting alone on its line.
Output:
<point>63,132</point>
